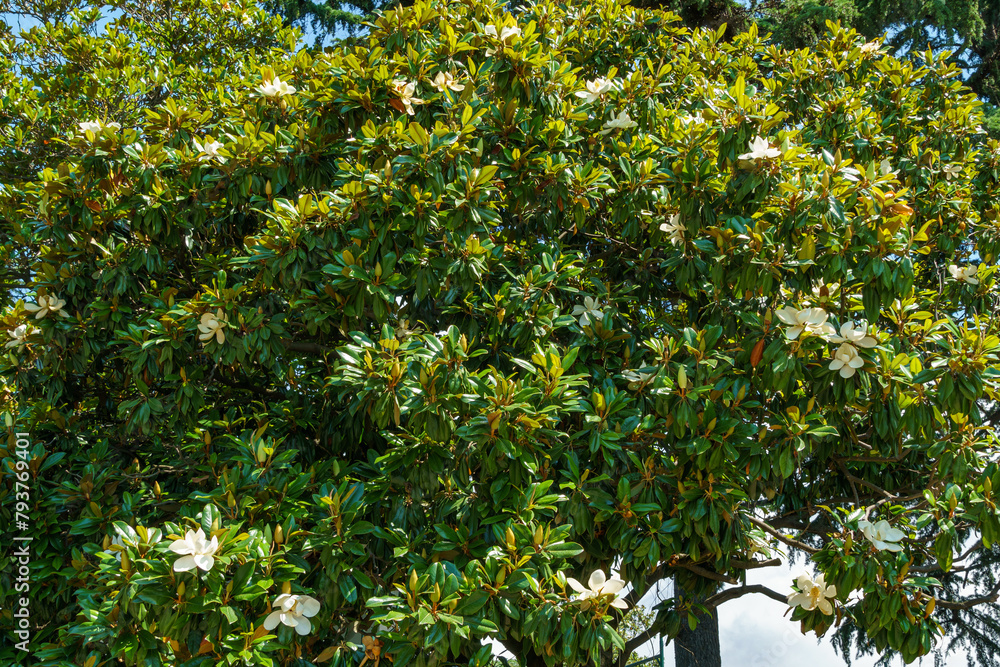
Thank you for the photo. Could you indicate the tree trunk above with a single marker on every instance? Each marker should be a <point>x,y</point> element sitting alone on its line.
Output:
<point>701,647</point>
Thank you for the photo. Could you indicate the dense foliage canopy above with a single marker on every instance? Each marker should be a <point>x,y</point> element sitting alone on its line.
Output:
<point>424,332</point>
<point>969,31</point>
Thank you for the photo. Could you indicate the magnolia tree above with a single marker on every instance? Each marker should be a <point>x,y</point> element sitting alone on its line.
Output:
<point>475,332</point>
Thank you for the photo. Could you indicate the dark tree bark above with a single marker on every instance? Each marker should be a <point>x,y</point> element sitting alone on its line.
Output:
<point>701,647</point>
<point>698,648</point>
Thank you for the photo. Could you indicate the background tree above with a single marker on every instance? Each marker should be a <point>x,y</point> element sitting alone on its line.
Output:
<point>327,19</point>
<point>970,31</point>
<point>422,330</point>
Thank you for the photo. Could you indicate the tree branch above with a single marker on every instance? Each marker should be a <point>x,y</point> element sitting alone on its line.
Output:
<point>855,479</point>
<point>782,538</point>
<point>936,566</point>
<point>733,593</point>
<point>708,574</point>
<point>989,598</point>
<point>754,564</point>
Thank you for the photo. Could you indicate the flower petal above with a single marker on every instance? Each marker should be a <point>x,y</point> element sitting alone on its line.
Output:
<point>791,333</point>
<point>597,579</point>
<point>788,315</point>
<point>272,620</point>
<point>816,316</point>
<point>894,535</point>
<point>798,599</point>
<point>181,547</point>
<point>309,606</point>
<point>612,586</point>
<point>184,563</point>
<point>203,561</point>
<point>575,585</point>
<point>302,625</point>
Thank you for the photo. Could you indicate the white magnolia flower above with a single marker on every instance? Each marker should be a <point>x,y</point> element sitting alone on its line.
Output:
<point>882,535</point>
<point>966,274</point>
<point>847,360</point>
<point>293,611</point>
<point>687,119</point>
<point>594,90</point>
<point>588,312</point>
<point>209,150</point>
<point>19,335</point>
<point>506,33</point>
<point>407,94</point>
<point>855,336</point>
<point>275,88</point>
<point>952,171</point>
<point>598,586</point>
<point>812,320</point>
<point>824,293</point>
<point>884,167</point>
<point>212,325</point>
<point>620,122</point>
<point>760,149</point>
<point>46,305</point>
<point>96,126</point>
<point>445,81</point>
<point>195,551</point>
<point>674,229</point>
<point>870,47</point>
<point>813,594</point>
